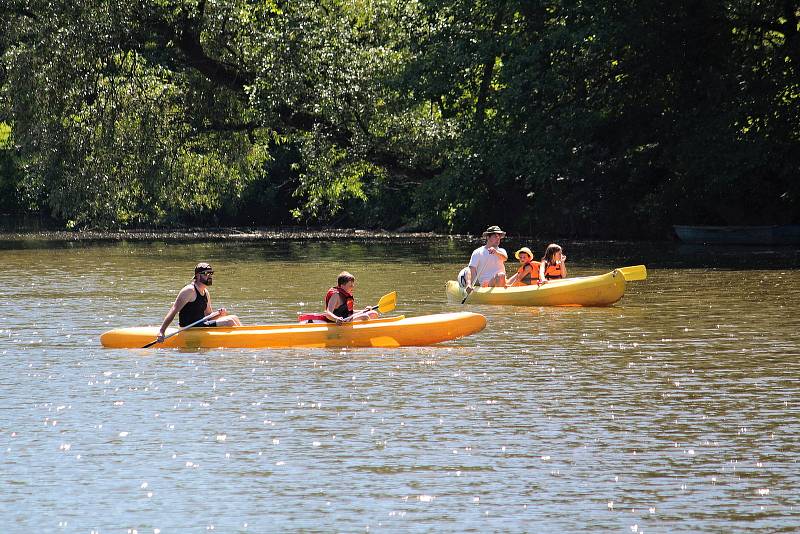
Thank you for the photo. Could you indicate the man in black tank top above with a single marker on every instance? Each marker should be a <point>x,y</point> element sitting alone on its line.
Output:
<point>194,302</point>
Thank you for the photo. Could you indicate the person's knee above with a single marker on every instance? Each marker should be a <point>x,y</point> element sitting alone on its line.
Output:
<point>229,320</point>
<point>367,316</point>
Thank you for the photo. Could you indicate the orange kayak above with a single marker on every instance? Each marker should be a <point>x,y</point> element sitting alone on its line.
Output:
<point>397,331</point>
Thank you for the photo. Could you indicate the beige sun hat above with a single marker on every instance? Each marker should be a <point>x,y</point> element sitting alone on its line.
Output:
<point>526,250</point>
<point>494,230</point>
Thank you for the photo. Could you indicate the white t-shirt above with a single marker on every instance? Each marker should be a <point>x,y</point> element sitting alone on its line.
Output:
<point>488,265</point>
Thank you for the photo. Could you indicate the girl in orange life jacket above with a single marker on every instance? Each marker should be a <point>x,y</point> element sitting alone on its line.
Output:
<point>528,273</point>
<point>339,302</point>
<point>554,264</point>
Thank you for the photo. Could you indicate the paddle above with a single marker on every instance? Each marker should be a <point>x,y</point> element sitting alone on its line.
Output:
<point>197,322</point>
<point>634,272</point>
<point>387,303</point>
<point>467,296</point>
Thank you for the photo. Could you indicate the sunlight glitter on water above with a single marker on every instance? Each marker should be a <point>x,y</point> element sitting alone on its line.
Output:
<point>650,404</point>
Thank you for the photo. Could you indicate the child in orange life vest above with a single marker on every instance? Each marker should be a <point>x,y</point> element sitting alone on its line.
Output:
<point>528,272</point>
<point>339,302</point>
<point>553,265</point>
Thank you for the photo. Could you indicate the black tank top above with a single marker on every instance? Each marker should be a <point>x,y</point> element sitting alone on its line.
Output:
<point>344,310</point>
<point>193,311</point>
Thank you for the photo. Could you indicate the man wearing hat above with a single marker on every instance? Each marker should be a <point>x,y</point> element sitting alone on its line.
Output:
<point>487,263</point>
<point>194,302</point>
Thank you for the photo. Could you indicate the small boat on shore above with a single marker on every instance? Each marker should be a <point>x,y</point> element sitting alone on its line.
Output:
<point>739,235</point>
<point>397,331</point>
<point>600,290</point>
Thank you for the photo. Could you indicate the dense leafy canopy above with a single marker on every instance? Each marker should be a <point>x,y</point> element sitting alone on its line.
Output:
<point>606,118</point>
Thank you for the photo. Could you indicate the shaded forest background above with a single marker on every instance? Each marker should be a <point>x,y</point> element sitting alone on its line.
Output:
<point>566,118</point>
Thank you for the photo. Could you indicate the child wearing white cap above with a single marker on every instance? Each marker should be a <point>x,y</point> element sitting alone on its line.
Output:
<point>528,272</point>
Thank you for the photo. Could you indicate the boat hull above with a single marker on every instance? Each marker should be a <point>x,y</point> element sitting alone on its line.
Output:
<point>601,290</point>
<point>390,332</point>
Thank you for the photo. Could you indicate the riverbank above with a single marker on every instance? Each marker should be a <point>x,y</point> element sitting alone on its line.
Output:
<point>216,234</point>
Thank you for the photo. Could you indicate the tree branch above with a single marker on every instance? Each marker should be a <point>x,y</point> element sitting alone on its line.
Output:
<point>488,70</point>
<point>187,39</point>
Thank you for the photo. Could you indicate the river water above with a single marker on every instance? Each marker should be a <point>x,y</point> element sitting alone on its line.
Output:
<point>675,410</point>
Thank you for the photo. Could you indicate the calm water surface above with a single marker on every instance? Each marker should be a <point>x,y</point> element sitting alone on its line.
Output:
<point>676,410</point>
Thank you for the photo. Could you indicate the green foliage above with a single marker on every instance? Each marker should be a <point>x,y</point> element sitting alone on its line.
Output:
<point>10,175</point>
<point>610,121</point>
<point>5,136</point>
<point>607,119</point>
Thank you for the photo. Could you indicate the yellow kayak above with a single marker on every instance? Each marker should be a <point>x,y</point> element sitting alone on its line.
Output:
<point>600,290</point>
<point>389,332</point>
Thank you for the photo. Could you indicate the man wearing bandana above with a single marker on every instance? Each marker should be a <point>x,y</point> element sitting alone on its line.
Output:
<point>194,302</point>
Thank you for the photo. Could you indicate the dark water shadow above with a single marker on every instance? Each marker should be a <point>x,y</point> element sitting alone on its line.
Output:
<point>317,247</point>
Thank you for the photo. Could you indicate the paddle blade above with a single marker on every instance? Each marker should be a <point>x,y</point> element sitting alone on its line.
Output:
<point>388,302</point>
<point>634,272</point>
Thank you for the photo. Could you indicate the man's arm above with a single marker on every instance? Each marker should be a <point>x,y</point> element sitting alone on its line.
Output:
<point>177,306</point>
<point>472,275</point>
<point>469,276</point>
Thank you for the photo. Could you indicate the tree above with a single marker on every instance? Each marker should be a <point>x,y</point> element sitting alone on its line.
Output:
<point>612,118</point>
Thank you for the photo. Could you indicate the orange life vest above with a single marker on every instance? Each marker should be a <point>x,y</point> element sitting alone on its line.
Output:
<point>553,271</point>
<point>526,279</point>
<point>345,309</point>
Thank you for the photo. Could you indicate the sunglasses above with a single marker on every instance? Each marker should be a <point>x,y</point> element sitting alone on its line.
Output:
<point>206,273</point>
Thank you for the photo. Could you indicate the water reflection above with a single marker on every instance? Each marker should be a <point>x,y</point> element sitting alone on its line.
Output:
<point>674,410</point>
